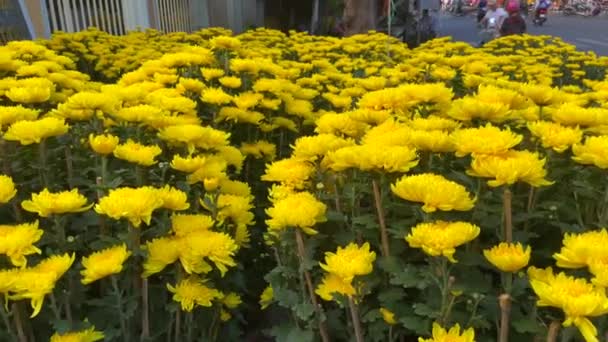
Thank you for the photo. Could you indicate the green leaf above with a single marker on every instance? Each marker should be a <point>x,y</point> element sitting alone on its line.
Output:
<point>416,324</point>
<point>290,333</point>
<point>304,310</point>
<point>391,295</point>
<point>422,309</point>
<point>526,325</point>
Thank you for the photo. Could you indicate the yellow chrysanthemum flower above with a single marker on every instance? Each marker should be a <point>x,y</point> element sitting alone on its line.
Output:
<point>225,43</point>
<point>372,157</point>
<point>12,114</point>
<point>17,241</point>
<point>137,153</point>
<point>192,292</point>
<point>173,199</point>
<point>218,248</point>
<point>555,136</point>
<point>188,164</point>
<point>453,335</point>
<point>388,316</point>
<point>441,238</point>
<point>215,96</point>
<point>184,224</point>
<point>577,298</point>
<point>510,167</point>
<point>291,172</point>
<point>231,82</point>
<point>104,263</point>
<point>7,189</point>
<point>434,191</point>
<point>593,152</point>
<point>432,141</point>
<point>578,250</point>
<point>484,140</point>
<point>46,203</point>
<point>134,204</point>
<point>541,95</point>
<point>266,297</point>
<point>508,257</point>
<point>469,108</point>
<point>339,124</point>
<point>297,210</point>
<point>313,147</point>
<point>332,284</point>
<point>88,335</point>
<point>161,252</point>
<point>30,132</point>
<point>231,300</point>
<point>36,282</point>
<point>350,261</point>
<point>103,144</point>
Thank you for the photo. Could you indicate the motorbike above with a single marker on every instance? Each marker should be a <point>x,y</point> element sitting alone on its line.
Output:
<point>578,8</point>
<point>540,17</point>
<point>489,32</point>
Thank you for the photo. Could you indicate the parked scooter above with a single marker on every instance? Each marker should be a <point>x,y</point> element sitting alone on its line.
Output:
<point>578,8</point>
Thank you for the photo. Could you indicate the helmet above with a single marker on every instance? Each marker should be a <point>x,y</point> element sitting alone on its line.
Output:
<point>512,6</point>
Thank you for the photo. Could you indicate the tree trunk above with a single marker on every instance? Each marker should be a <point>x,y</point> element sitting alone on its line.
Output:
<point>359,16</point>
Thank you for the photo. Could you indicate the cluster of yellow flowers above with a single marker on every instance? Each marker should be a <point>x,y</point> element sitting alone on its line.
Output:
<point>164,145</point>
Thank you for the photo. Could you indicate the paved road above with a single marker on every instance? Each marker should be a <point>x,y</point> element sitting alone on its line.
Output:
<point>587,33</point>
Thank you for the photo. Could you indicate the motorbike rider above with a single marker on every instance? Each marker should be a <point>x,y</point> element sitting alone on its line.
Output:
<point>492,21</point>
<point>541,5</point>
<point>482,7</point>
<point>514,24</point>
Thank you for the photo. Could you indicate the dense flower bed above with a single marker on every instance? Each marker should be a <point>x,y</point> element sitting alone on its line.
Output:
<point>205,187</point>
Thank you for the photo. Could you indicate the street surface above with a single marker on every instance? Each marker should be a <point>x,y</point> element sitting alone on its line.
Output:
<point>587,33</point>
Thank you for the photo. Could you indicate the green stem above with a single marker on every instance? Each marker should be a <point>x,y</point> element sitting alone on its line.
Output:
<point>118,297</point>
<point>354,312</point>
<point>381,219</point>
<point>69,165</point>
<point>445,290</point>
<point>6,319</point>
<point>190,322</point>
<point>506,200</point>
<point>42,156</point>
<point>19,323</point>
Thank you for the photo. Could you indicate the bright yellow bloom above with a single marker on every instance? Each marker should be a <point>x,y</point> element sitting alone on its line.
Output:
<point>469,108</point>
<point>508,257</point>
<point>541,95</point>
<point>297,210</point>
<point>88,335</point>
<point>36,282</point>
<point>433,123</point>
<point>388,316</point>
<point>17,241</point>
<point>232,300</point>
<point>47,203</point>
<point>594,151</point>
<point>579,250</point>
<point>218,248</point>
<point>441,238</point>
<point>137,153</point>
<point>103,144</point>
<point>230,82</point>
<point>192,292</point>
<point>30,132</point>
<point>134,204</point>
<point>577,298</point>
<point>104,263</point>
<point>211,73</point>
<point>173,199</point>
<point>12,114</point>
<point>194,136</point>
<point>434,191</point>
<point>350,261</point>
<point>484,140</point>
<point>453,335</point>
<point>432,141</point>
<point>225,43</point>
<point>247,100</point>
<point>333,284</point>
<point>161,252</point>
<point>266,297</point>
<point>313,147</point>
<point>188,164</point>
<point>215,96</point>
<point>372,157</point>
<point>511,167</point>
<point>555,136</point>
<point>7,189</point>
<point>339,124</point>
<point>184,224</point>
<point>291,172</point>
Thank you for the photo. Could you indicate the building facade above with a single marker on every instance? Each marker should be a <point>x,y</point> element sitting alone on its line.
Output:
<point>30,19</point>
